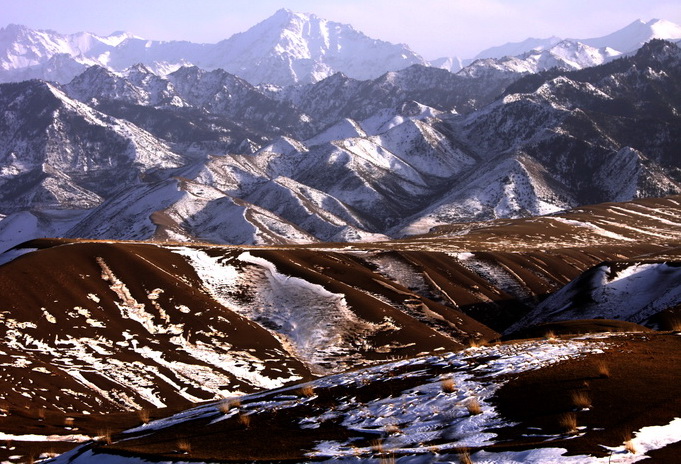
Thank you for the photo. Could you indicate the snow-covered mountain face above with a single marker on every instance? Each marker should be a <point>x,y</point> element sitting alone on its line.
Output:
<point>290,48</point>
<point>536,55</point>
<point>633,36</point>
<point>284,49</point>
<point>201,155</point>
<point>567,55</point>
<point>294,47</point>
<point>60,153</point>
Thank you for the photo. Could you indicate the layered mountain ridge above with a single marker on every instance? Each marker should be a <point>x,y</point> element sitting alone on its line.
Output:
<point>290,48</point>
<point>338,160</point>
<point>284,49</point>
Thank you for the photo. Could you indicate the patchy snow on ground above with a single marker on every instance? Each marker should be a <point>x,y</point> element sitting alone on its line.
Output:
<point>32,437</point>
<point>430,413</point>
<point>431,421</point>
<point>317,326</point>
<point>625,291</point>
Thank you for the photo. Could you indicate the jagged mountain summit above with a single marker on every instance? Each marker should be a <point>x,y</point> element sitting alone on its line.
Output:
<point>284,49</point>
<point>295,47</point>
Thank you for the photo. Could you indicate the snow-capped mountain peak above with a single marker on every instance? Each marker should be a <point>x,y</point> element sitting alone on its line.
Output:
<point>285,49</point>
<point>636,34</point>
<point>116,38</point>
<point>299,47</point>
<point>518,48</point>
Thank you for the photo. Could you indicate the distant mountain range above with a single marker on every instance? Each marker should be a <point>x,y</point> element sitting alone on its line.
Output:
<point>128,149</point>
<point>204,155</point>
<point>290,48</point>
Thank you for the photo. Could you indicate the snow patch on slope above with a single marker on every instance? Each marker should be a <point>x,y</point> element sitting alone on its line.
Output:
<point>317,325</point>
<point>628,291</point>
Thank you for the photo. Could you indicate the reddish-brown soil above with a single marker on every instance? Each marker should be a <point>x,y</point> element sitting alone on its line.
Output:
<point>456,305</point>
<point>634,384</point>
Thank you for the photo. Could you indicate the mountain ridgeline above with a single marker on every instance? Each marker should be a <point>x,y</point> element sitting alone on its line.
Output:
<point>205,155</point>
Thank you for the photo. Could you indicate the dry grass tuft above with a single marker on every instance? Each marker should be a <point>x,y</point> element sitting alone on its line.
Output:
<point>245,420</point>
<point>227,405</point>
<point>377,446</point>
<point>476,342</point>
<point>387,459</point>
<point>306,390</point>
<point>550,335</point>
<point>144,415</point>
<point>568,422</point>
<point>675,324</point>
<point>69,421</point>
<point>581,399</point>
<point>184,446</point>
<point>448,385</point>
<point>602,369</point>
<point>473,406</point>
<point>464,456</point>
<point>629,444</point>
<point>104,436</point>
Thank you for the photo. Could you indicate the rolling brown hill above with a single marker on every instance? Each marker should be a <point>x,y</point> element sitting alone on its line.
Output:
<point>104,334</point>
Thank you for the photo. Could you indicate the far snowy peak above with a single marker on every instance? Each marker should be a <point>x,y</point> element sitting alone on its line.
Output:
<point>286,48</point>
<point>624,40</point>
<point>518,48</point>
<point>636,34</point>
<point>291,47</point>
<point>294,48</point>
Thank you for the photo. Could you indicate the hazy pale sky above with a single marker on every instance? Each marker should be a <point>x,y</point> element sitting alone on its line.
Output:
<point>433,28</point>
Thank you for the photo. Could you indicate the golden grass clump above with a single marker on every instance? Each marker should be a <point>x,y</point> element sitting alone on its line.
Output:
<point>69,421</point>
<point>476,342</point>
<point>229,404</point>
<point>448,385</point>
<point>144,415</point>
<point>581,399</point>
<point>602,369</point>
<point>473,406</point>
<point>184,446</point>
<point>464,456</point>
<point>629,444</point>
<point>104,436</point>
<point>377,446</point>
<point>245,420</point>
<point>391,429</point>
<point>387,459</point>
<point>675,324</point>
<point>568,422</point>
<point>306,390</point>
